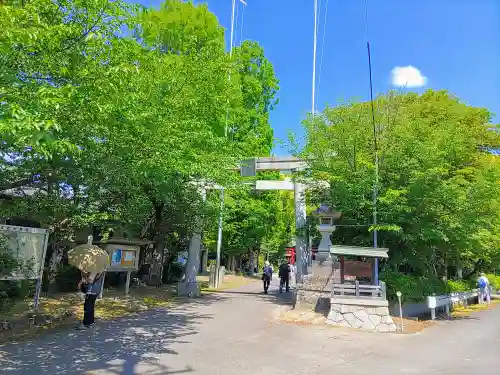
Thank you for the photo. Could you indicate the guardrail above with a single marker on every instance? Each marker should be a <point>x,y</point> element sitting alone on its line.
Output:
<point>358,290</point>
<point>446,300</point>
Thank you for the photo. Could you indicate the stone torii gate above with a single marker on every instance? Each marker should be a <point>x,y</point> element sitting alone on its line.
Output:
<point>249,168</point>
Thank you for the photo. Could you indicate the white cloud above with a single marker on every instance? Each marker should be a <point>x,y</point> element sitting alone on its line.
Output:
<point>407,76</point>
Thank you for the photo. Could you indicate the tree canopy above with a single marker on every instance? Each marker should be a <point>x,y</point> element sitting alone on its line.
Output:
<point>438,192</point>
<point>109,112</point>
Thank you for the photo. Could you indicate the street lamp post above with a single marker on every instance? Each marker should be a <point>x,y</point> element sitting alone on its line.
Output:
<point>219,239</point>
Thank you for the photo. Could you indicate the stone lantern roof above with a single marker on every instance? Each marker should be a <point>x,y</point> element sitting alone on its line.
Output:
<point>325,210</point>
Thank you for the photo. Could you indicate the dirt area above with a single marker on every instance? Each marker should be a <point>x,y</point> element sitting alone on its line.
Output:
<point>230,282</point>
<point>310,317</point>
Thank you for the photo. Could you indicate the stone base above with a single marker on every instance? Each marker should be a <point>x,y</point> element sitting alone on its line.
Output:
<point>188,289</point>
<point>316,288</point>
<point>372,317</point>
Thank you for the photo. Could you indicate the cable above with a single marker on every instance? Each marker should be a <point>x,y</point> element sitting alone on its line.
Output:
<point>322,50</point>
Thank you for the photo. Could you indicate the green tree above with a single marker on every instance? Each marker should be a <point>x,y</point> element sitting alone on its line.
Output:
<point>438,191</point>
<point>102,126</point>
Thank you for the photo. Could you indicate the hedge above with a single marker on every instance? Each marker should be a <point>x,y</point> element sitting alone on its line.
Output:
<point>417,288</point>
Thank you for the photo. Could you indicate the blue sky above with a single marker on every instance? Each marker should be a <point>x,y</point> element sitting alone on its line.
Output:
<point>454,44</point>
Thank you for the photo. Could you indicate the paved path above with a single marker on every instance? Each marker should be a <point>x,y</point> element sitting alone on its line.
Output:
<point>235,333</point>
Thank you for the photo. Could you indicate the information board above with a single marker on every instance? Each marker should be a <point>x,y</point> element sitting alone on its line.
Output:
<point>123,257</point>
<point>29,246</point>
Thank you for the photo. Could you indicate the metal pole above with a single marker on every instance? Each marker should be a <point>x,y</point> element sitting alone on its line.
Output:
<point>230,55</point>
<point>232,29</point>
<point>219,240</point>
<point>314,56</point>
<point>39,281</point>
<point>398,293</point>
<point>300,219</point>
<point>375,147</point>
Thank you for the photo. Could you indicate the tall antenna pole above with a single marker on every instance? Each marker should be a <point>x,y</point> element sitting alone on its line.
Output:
<point>314,56</point>
<point>232,29</point>
<point>230,55</point>
<point>375,148</point>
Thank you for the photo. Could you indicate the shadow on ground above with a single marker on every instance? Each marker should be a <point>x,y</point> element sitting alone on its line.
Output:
<point>112,347</point>
<point>118,347</point>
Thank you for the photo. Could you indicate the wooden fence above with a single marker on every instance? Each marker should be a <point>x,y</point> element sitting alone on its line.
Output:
<point>358,290</point>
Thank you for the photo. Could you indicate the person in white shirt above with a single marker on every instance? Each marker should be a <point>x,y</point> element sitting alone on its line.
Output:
<point>484,289</point>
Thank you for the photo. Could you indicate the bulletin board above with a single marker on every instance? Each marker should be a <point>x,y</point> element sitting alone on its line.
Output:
<point>123,257</point>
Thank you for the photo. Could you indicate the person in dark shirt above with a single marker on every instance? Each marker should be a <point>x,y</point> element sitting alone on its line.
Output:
<point>284,274</point>
<point>267,275</point>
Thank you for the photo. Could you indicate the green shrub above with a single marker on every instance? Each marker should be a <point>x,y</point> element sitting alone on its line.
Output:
<point>461,285</point>
<point>66,279</point>
<point>417,288</point>
<point>12,291</point>
<point>172,273</point>
<point>494,281</point>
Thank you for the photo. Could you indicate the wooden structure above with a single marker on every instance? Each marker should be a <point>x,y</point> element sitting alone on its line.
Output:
<point>124,255</point>
<point>357,288</point>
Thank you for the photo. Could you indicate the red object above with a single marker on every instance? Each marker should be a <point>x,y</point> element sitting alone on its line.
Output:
<point>290,252</point>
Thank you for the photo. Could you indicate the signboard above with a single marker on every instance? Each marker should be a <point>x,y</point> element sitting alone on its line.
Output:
<point>29,246</point>
<point>354,269</point>
<point>123,257</point>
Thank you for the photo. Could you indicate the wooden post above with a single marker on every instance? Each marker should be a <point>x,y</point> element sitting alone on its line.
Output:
<point>356,283</point>
<point>127,283</point>
<point>341,269</point>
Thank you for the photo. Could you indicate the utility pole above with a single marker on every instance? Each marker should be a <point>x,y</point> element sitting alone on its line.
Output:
<point>375,150</point>
<point>314,57</point>
<point>219,239</point>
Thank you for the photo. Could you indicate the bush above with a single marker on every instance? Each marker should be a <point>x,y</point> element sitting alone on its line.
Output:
<point>417,288</point>
<point>172,273</point>
<point>67,278</point>
<point>494,281</point>
<point>461,285</point>
<point>12,291</point>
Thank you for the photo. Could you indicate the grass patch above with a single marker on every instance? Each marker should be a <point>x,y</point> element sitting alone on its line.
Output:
<point>67,309</point>
<point>460,311</point>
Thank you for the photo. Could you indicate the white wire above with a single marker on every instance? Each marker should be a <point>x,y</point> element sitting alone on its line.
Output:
<point>242,19</point>
<point>322,50</point>
<point>236,23</point>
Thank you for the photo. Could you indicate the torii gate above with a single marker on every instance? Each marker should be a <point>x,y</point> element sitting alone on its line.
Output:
<point>250,168</point>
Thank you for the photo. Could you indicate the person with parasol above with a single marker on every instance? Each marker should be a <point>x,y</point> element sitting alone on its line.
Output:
<point>93,262</point>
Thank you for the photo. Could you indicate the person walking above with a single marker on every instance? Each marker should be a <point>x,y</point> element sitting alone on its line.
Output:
<point>90,284</point>
<point>484,289</point>
<point>284,274</point>
<point>267,275</point>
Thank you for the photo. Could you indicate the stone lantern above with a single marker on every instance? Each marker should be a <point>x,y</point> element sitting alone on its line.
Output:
<point>326,227</point>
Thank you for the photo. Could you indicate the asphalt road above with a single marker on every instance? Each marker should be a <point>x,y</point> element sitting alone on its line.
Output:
<point>236,332</point>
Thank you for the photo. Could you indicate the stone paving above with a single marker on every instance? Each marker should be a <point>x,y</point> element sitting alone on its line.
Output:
<point>236,332</point>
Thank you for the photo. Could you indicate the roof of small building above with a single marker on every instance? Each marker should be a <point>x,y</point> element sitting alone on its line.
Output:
<point>379,252</point>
